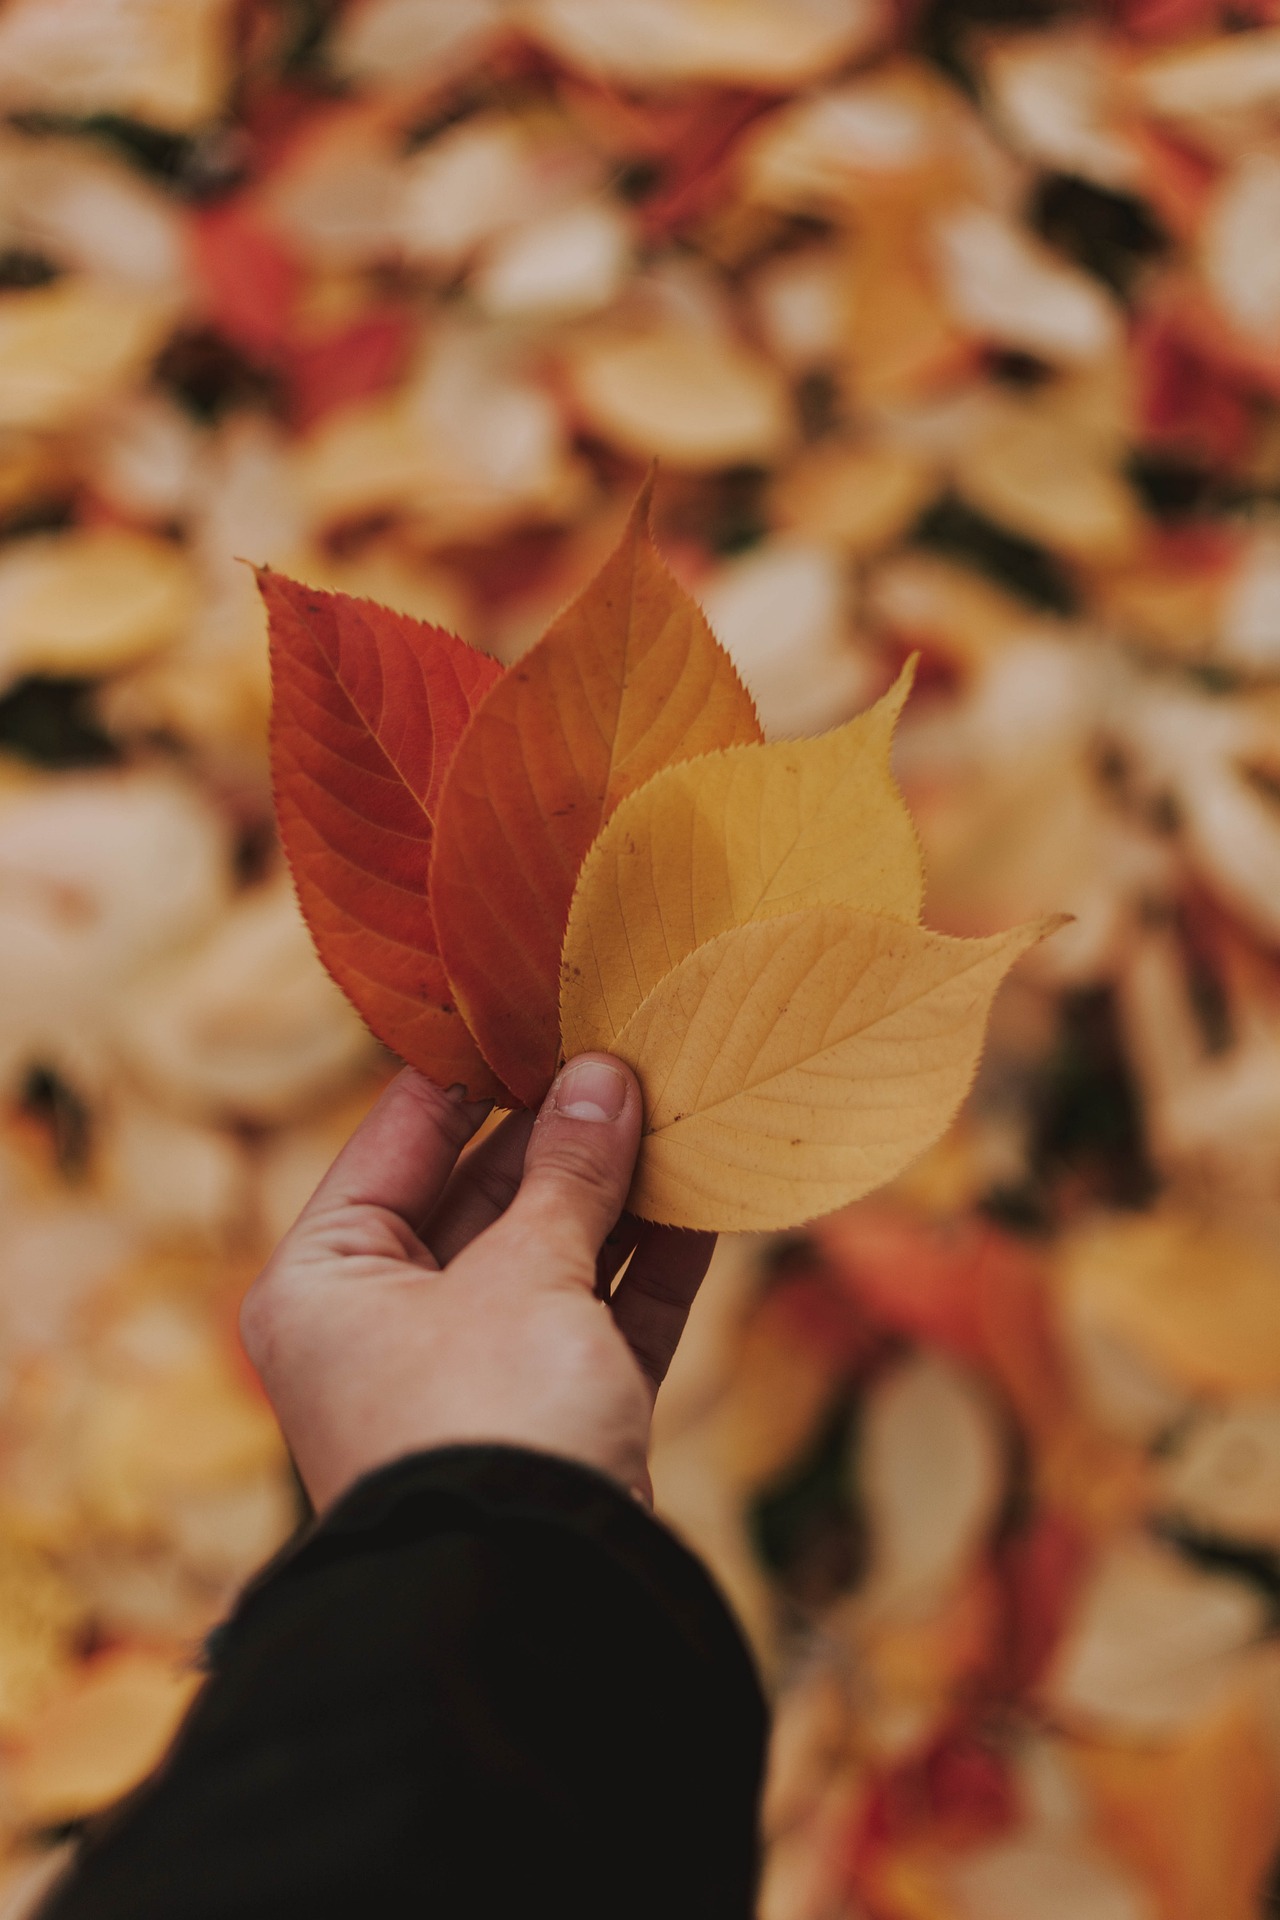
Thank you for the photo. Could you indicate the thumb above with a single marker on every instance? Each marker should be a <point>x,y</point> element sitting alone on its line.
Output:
<point>580,1158</point>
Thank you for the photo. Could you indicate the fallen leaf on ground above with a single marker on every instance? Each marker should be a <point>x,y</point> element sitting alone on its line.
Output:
<point>1155,1643</point>
<point>101,1736</point>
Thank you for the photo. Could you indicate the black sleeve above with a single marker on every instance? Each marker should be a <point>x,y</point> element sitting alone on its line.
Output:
<point>487,1683</point>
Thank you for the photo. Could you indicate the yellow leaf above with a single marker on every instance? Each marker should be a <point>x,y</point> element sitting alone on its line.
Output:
<point>99,1738</point>
<point>747,833</point>
<point>1192,1294</point>
<point>692,399</point>
<point>69,347</point>
<point>89,601</point>
<point>793,1064</point>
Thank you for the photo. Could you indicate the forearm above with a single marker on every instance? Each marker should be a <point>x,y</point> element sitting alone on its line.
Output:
<point>488,1676</point>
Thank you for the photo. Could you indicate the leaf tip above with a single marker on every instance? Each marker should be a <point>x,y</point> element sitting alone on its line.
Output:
<point>895,699</point>
<point>642,506</point>
<point>1032,932</point>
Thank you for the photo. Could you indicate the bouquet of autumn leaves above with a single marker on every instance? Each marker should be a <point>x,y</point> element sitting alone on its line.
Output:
<point>597,849</point>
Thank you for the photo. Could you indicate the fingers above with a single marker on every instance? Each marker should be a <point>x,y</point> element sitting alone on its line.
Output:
<point>579,1162</point>
<point>655,1293</point>
<point>619,1245</point>
<point>482,1188</point>
<point>403,1151</point>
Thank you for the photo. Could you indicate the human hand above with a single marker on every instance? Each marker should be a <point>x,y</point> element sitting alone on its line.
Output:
<point>422,1302</point>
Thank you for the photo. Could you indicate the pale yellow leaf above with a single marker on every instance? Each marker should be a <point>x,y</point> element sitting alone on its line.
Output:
<point>71,346</point>
<point>689,398</point>
<point>748,833</point>
<point>792,1065</point>
<point>769,43</point>
<point>89,601</point>
<point>1030,473</point>
<point>162,61</point>
<point>101,1736</point>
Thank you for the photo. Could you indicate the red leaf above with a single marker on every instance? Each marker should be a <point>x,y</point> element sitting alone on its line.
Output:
<point>249,277</point>
<point>1185,401</point>
<point>354,363</point>
<point>627,679</point>
<point>1042,1568</point>
<point>368,708</point>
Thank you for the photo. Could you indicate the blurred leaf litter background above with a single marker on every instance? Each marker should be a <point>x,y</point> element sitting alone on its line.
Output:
<point>955,325</point>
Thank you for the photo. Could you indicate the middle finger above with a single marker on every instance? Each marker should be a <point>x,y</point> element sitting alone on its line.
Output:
<point>482,1187</point>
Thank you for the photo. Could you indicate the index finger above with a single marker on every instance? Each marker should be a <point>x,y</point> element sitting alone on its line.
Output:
<point>652,1300</point>
<point>403,1151</point>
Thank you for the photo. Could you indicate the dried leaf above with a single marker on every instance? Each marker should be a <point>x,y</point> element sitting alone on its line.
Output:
<point>791,1065</point>
<point>248,276</point>
<point>1195,1297</point>
<point>571,261</point>
<point>41,1616</point>
<point>89,602</point>
<point>387,41</point>
<point>481,178</point>
<point>165,1433</point>
<point>1030,473</point>
<point>353,362</point>
<point>247,1023</point>
<point>1154,1645</point>
<point>1056,95</point>
<point>100,1737</point>
<point>745,834</point>
<point>67,347</point>
<point>152,59</point>
<point>629,677</point>
<point>1236,73</point>
<point>931,1466</point>
<point>903,341</point>
<point>767,43</point>
<point>898,136</point>
<point>1197,1819</point>
<point>1009,289</point>
<point>1044,1877</point>
<point>781,611</point>
<point>859,497</point>
<point>1238,244</point>
<point>691,397</point>
<point>369,706</point>
<point>1223,1477</point>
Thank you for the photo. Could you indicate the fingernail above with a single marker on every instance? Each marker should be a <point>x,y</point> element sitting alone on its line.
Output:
<point>590,1090</point>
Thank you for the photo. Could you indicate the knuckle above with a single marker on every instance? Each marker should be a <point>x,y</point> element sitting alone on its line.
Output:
<point>667,1291</point>
<point>652,1361</point>
<point>570,1160</point>
<point>259,1319</point>
<point>496,1188</point>
<point>454,1121</point>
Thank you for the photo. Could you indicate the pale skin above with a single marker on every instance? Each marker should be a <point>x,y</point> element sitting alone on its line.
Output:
<point>428,1296</point>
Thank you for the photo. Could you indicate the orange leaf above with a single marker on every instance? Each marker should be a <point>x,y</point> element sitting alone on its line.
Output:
<point>368,707</point>
<point>628,679</point>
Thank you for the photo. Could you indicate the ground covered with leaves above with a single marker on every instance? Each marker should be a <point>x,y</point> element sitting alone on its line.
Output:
<point>955,328</point>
